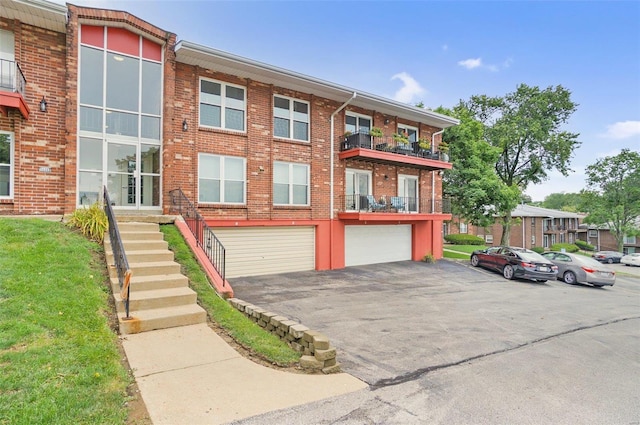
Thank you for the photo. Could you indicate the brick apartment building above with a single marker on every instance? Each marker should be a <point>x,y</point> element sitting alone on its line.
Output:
<point>603,240</point>
<point>537,226</point>
<point>283,166</point>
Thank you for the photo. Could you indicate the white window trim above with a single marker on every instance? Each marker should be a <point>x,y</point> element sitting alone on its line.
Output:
<point>593,233</point>
<point>12,167</point>
<point>223,93</point>
<point>291,120</point>
<point>464,226</point>
<point>629,240</point>
<point>353,171</point>
<point>222,180</point>
<point>357,115</point>
<point>291,183</point>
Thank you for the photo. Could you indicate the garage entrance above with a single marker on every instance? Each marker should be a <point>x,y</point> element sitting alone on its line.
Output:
<point>376,244</point>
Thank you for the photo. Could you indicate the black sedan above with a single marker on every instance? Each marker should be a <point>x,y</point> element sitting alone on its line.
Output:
<point>515,262</point>
<point>608,257</point>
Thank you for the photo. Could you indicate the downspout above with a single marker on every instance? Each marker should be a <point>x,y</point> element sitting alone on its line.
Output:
<point>332,149</point>
<point>433,173</point>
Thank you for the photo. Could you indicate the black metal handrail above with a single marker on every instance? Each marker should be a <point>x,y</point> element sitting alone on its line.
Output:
<point>205,238</point>
<point>390,144</point>
<point>119,257</point>
<point>11,76</point>
<point>394,204</point>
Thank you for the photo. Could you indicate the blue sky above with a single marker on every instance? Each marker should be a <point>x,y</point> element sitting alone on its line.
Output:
<point>440,52</point>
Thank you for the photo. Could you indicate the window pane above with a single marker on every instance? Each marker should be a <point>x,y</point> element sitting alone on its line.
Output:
<point>209,87</point>
<point>299,195</point>
<point>364,124</point>
<point>210,115</point>
<point>235,93</point>
<point>90,154</point>
<point>233,169</point>
<point>350,124</point>
<point>91,119</point>
<point>209,167</point>
<point>89,188</point>
<point>234,192</point>
<point>281,103</point>
<point>209,190</point>
<point>122,124</point>
<point>5,149</point>
<point>300,130</point>
<point>151,87</point>
<point>150,128</point>
<point>300,174</point>
<point>91,74</point>
<point>150,191</point>
<point>150,159</point>
<point>234,119</point>
<point>121,158</point>
<point>122,82</point>
<point>281,127</point>
<point>280,193</point>
<point>301,108</point>
<point>281,173</point>
<point>5,174</point>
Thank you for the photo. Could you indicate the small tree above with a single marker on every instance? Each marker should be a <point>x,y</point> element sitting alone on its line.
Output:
<point>612,197</point>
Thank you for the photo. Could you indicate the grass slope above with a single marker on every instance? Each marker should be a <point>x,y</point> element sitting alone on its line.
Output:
<point>58,357</point>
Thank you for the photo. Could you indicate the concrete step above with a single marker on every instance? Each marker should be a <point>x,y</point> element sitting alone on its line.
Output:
<point>152,255</point>
<point>130,246</point>
<point>161,318</point>
<point>157,298</point>
<point>136,235</point>
<point>150,268</point>
<point>138,227</point>
<point>146,283</point>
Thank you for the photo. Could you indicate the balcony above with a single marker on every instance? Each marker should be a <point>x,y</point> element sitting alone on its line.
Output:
<point>391,208</point>
<point>388,150</point>
<point>12,88</point>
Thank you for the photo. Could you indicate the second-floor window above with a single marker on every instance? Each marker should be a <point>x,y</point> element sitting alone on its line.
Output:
<point>290,183</point>
<point>221,179</point>
<point>6,164</point>
<point>629,240</point>
<point>290,118</point>
<point>411,132</point>
<point>222,105</point>
<point>7,58</point>
<point>355,123</point>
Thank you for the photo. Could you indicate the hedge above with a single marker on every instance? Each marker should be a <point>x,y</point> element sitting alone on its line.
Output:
<point>538,249</point>
<point>464,239</point>
<point>568,247</point>
<point>585,246</point>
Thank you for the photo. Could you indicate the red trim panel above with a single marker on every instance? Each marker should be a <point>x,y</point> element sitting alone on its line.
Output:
<point>123,41</point>
<point>15,101</point>
<point>151,50</point>
<point>91,35</point>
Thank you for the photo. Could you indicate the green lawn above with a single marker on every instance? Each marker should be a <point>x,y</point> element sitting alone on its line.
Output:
<point>241,328</point>
<point>59,359</point>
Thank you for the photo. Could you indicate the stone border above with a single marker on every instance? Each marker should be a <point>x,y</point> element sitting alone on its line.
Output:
<point>317,352</point>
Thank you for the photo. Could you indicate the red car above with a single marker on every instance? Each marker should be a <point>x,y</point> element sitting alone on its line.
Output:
<point>515,262</point>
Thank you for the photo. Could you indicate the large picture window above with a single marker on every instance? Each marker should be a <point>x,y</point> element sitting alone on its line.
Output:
<point>221,179</point>
<point>222,105</point>
<point>290,119</point>
<point>6,165</point>
<point>290,183</point>
<point>357,123</point>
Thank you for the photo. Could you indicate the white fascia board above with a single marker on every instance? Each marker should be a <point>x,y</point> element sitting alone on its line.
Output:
<point>39,13</point>
<point>214,59</point>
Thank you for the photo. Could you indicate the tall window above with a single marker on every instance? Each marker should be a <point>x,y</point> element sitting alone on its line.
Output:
<point>463,227</point>
<point>222,105</point>
<point>290,183</point>
<point>7,60</point>
<point>221,179</point>
<point>6,164</point>
<point>412,132</point>
<point>290,118</point>
<point>357,123</point>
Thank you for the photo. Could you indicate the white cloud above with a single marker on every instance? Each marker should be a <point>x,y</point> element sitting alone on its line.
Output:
<point>622,130</point>
<point>471,63</point>
<point>409,90</point>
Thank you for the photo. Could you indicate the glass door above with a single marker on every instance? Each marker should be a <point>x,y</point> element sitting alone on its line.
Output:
<point>358,186</point>
<point>122,174</point>
<point>408,190</point>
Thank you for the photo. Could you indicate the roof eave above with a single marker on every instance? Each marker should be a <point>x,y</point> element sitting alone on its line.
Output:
<point>39,13</point>
<point>209,58</point>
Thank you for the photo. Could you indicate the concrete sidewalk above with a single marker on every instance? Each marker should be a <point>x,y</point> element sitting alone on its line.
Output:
<point>189,375</point>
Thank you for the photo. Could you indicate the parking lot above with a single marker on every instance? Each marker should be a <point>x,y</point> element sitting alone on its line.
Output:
<point>404,324</point>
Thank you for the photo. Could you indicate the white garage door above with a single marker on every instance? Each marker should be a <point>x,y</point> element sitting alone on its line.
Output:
<point>253,251</point>
<point>377,244</point>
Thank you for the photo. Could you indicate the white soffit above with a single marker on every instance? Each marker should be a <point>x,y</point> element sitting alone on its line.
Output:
<point>208,58</point>
<point>39,13</point>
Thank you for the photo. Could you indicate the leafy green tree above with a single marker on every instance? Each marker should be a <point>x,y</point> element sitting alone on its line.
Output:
<point>526,128</point>
<point>612,197</point>
<point>472,184</point>
<point>563,201</point>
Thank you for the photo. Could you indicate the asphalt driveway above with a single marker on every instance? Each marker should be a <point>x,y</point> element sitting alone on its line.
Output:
<point>392,322</point>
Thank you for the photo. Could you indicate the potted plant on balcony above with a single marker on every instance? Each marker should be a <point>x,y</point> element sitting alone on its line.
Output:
<point>444,148</point>
<point>376,132</point>
<point>424,143</point>
<point>401,139</point>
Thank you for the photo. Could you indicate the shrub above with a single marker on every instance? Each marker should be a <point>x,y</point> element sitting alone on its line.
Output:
<point>429,258</point>
<point>585,246</point>
<point>568,247</point>
<point>538,249</point>
<point>464,239</point>
<point>91,221</point>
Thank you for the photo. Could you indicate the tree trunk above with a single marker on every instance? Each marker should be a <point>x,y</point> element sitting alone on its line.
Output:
<point>506,230</point>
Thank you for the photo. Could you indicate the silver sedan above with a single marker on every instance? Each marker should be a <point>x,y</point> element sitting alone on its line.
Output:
<point>575,268</point>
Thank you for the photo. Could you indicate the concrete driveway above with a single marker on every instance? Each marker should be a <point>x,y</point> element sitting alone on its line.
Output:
<point>394,322</point>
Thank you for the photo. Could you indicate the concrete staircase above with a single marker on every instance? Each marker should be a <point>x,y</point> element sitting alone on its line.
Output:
<point>160,295</point>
